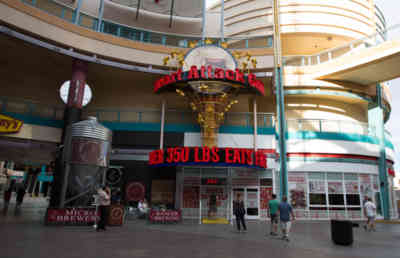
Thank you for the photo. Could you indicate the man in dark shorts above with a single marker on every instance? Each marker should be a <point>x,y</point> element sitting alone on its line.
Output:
<point>273,214</point>
<point>285,210</point>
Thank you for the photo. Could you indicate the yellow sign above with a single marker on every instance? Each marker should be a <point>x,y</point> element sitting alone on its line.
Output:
<point>9,124</point>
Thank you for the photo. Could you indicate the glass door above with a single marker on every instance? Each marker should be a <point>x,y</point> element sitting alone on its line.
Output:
<point>214,202</point>
<point>251,203</point>
<point>250,198</point>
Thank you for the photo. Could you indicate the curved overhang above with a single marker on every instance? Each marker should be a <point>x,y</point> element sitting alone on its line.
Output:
<point>364,67</point>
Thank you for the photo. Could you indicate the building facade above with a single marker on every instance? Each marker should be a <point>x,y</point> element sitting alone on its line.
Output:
<point>335,61</point>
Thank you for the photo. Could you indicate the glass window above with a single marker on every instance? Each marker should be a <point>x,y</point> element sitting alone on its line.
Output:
<point>334,176</point>
<point>336,209</point>
<point>336,199</point>
<point>350,177</point>
<point>335,187</point>
<point>191,171</point>
<point>316,176</point>
<point>266,181</point>
<point>351,187</point>
<point>317,199</point>
<point>375,183</point>
<point>353,199</point>
<point>207,172</point>
<point>265,173</point>
<point>317,186</point>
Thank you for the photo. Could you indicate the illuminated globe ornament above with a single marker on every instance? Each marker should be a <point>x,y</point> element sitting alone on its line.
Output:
<point>64,91</point>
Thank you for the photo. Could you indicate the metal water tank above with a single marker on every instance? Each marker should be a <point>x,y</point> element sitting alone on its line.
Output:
<point>87,154</point>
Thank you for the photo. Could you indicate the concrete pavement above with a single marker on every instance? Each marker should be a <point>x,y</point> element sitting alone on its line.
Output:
<point>23,238</point>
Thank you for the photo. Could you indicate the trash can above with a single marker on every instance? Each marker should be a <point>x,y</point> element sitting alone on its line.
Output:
<point>342,232</point>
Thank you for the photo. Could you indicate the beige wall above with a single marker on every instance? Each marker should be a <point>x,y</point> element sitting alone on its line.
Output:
<point>322,108</point>
<point>38,133</point>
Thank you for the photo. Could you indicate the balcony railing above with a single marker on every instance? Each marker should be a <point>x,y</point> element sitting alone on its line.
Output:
<point>236,119</point>
<point>31,109</point>
<point>34,110</point>
<point>346,49</point>
<point>88,21</point>
<point>337,126</point>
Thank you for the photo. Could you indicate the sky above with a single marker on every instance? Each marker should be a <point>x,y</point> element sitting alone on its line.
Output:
<point>390,10</point>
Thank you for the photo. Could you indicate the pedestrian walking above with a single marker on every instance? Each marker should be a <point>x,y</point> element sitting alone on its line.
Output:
<point>8,194</point>
<point>20,190</point>
<point>239,212</point>
<point>273,206</point>
<point>370,213</point>
<point>104,201</point>
<point>285,210</point>
<point>143,207</point>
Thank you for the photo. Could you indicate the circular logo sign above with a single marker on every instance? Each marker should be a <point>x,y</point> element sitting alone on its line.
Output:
<point>113,176</point>
<point>213,56</point>
<point>135,191</point>
<point>116,213</point>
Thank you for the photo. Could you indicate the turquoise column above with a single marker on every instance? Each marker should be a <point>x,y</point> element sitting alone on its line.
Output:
<point>376,120</point>
<point>100,18</point>
<point>280,102</point>
<point>281,134</point>
<point>77,11</point>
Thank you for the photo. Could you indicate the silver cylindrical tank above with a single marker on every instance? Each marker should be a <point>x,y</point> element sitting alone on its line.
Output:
<point>87,153</point>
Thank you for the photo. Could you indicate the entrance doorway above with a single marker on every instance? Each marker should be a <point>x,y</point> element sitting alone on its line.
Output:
<point>214,203</point>
<point>250,196</point>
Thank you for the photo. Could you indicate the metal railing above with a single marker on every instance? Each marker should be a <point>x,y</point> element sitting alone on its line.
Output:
<point>174,117</point>
<point>337,126</point>
<point>88,21</point>
<point>346,49</point>
<point>237,119</point>
<point>31,109</point>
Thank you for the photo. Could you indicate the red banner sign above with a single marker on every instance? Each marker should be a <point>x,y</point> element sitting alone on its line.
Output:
<point>116,217</point>
<point>71,216</point>
<point>167,216</point>
<point>206,155</point>
<point>208,73</point>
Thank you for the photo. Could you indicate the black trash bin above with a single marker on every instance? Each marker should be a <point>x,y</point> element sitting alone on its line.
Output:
<point>342,232</point>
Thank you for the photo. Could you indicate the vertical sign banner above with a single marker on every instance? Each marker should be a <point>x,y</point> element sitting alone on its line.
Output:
<point>297,190</point>
<point>365,185</point>
<point>351,187</point>
<point>335,187</point>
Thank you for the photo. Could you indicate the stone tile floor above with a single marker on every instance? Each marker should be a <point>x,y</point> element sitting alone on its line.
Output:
<point>25,236</point>
<point>30,238</point>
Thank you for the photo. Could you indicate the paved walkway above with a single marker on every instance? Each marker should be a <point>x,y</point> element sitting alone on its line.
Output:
<point>23,238</point>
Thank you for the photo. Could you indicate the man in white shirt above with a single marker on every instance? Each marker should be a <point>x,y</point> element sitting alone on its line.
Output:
<point>370,213</point>
<point>143,207</point>
<point>104,201</point>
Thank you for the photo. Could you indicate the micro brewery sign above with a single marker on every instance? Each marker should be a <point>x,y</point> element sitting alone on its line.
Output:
<point>208,156</point>
<point>71,216</point>
<point>209,73</point>
<point>9,124</point>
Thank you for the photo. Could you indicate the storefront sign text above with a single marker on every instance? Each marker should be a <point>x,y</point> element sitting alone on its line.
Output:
<point>71,216</point>
<point>9,124</point>
<point>208,73</point>
<point>208,156</point>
